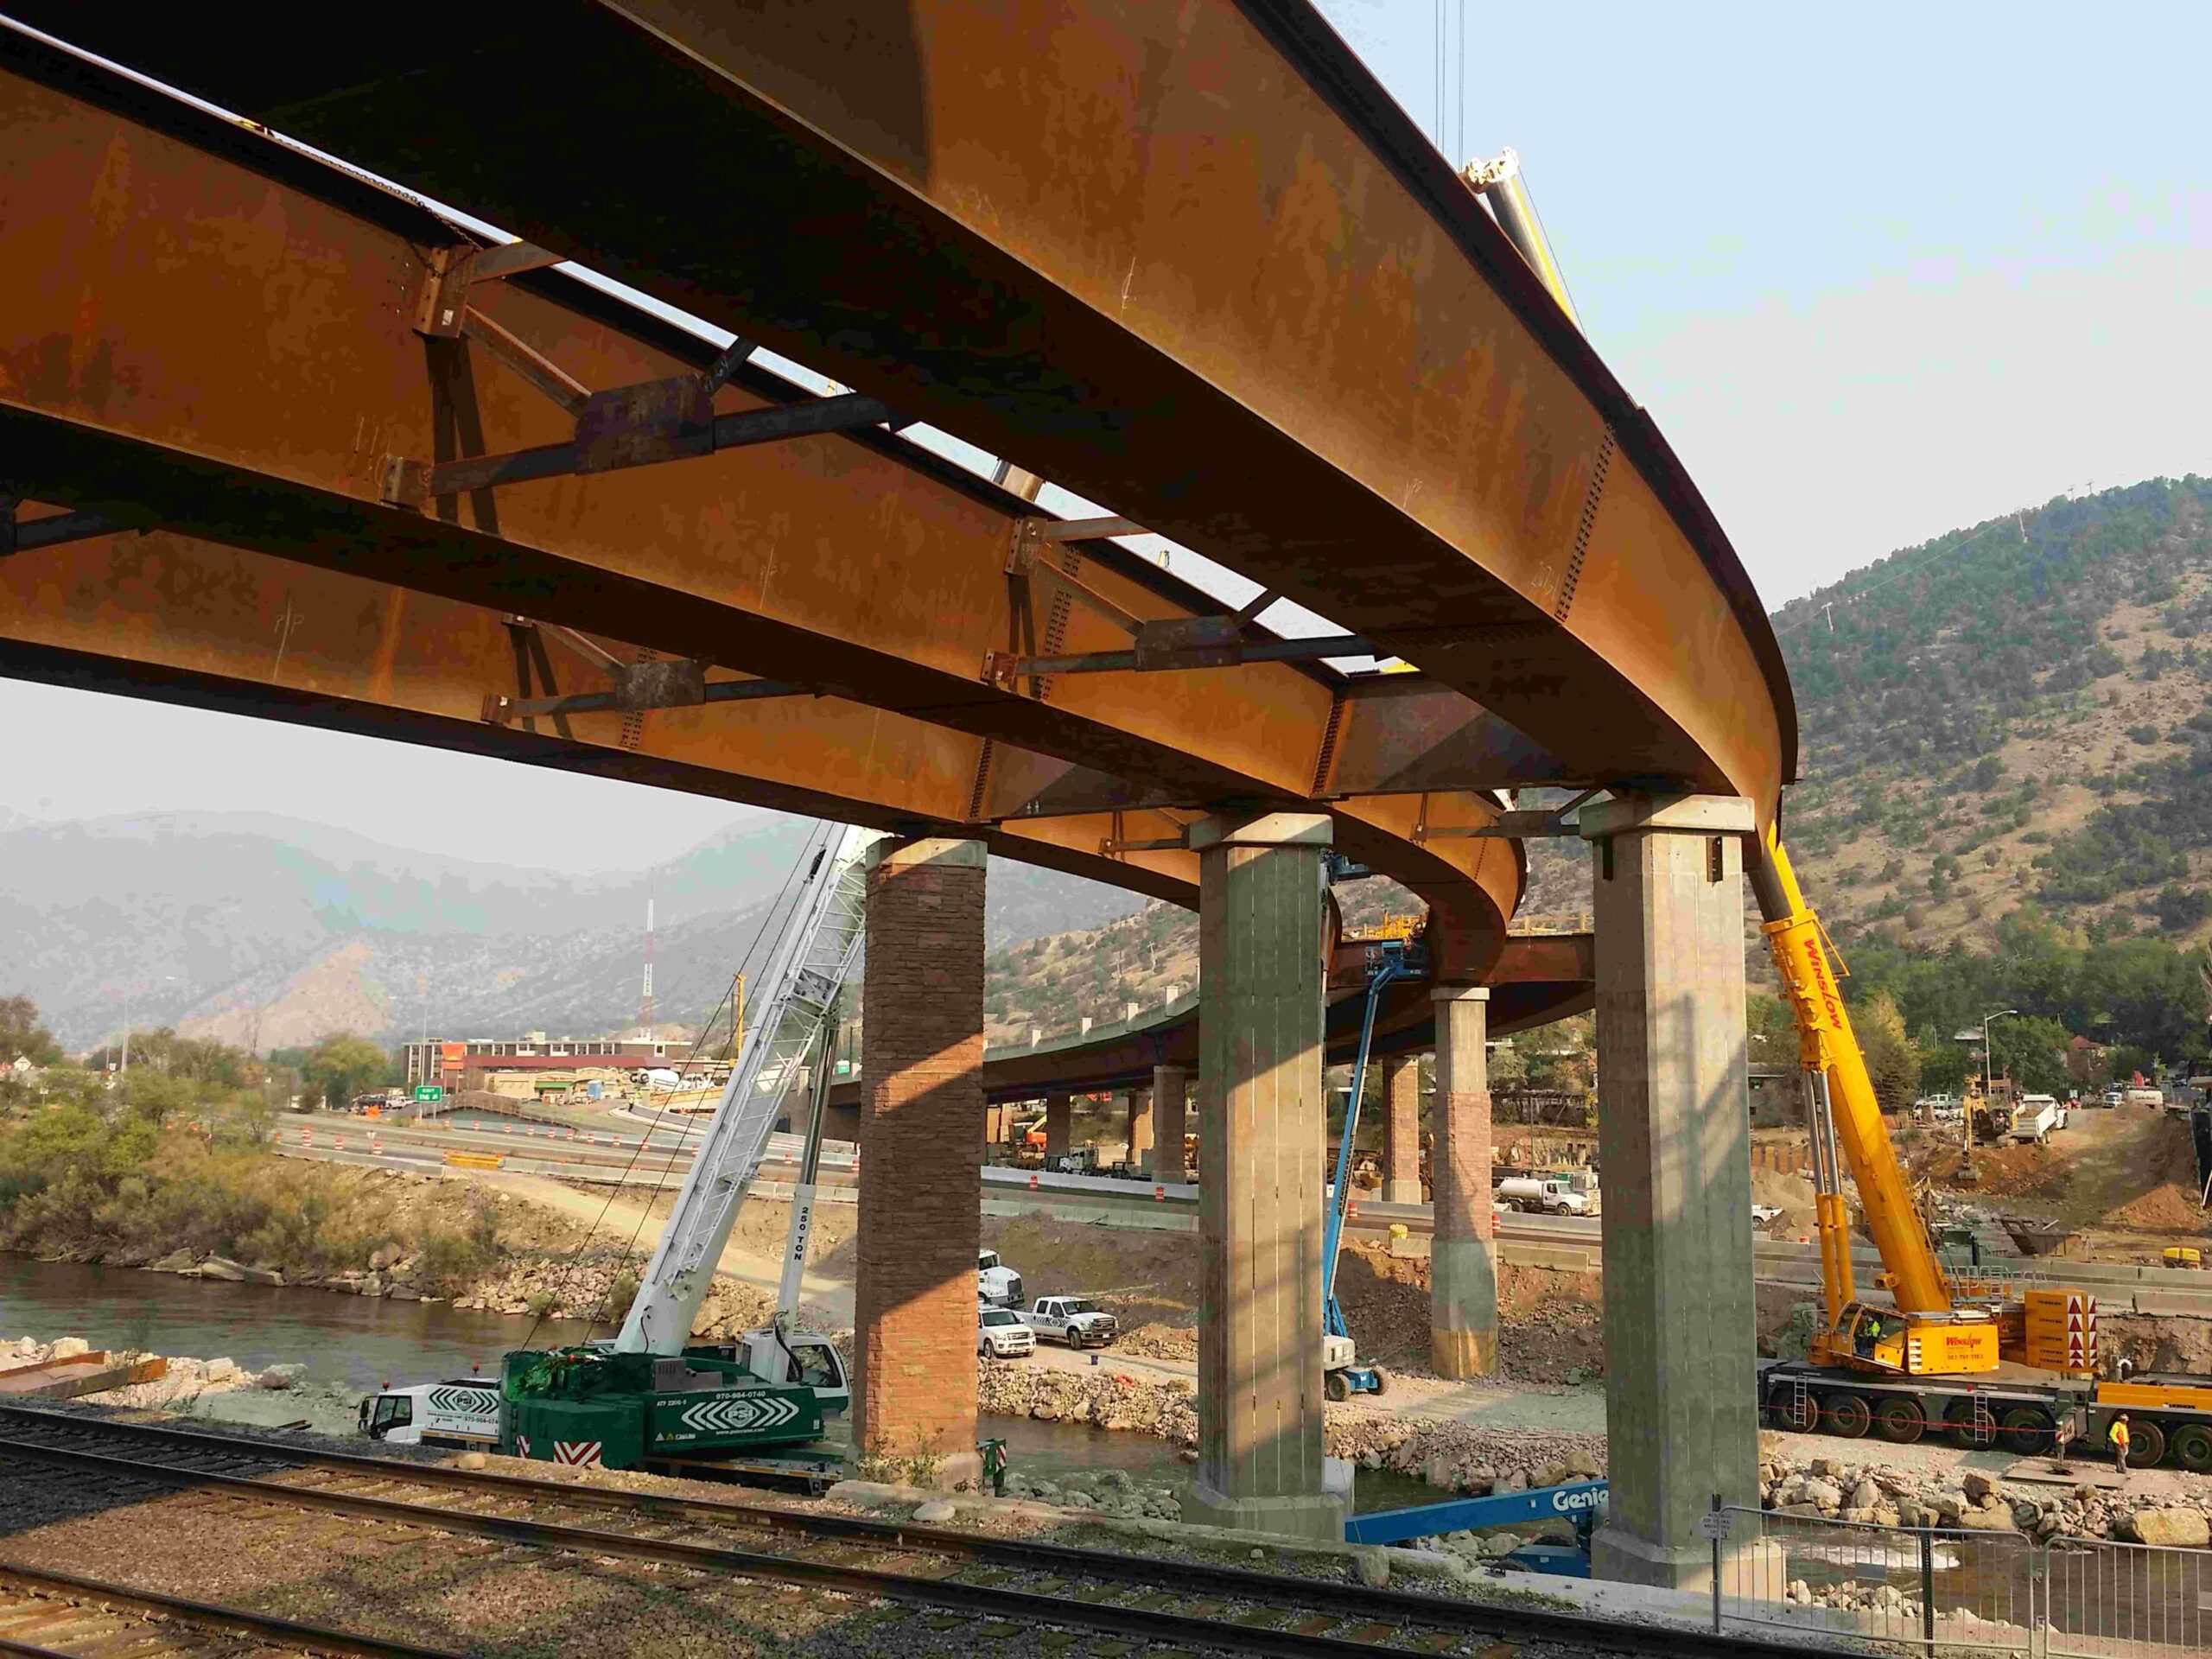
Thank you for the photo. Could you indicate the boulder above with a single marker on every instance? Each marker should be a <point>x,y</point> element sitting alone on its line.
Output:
<point>1864,1496</point>
<point>1977,1485</point>
<point>1826,1493</point>
<point>69,1348</point>
<point>221,1266</point>
<point>1583,1465</point>
<point>174,1261</point>
<point>224,1370</point>
<point>1372,1566</point>
<point>470,1460</point>
<point>938,1510</point>
<point>2172,1528</point>
<point>384,1256</point>
<point>1512,1481</point>
<point>1991,1517</point>
<point>281,1376</point>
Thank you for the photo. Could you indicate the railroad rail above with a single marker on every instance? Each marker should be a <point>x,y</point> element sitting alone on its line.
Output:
<point>1023,1582</point>
<point>78,1617</point>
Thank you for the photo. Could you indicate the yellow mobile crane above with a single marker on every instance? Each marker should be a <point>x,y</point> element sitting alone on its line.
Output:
<point>1930,1361</point>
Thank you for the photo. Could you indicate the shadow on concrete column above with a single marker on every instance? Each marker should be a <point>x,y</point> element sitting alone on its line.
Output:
<point>1401,1130</point>
<point>1169,1123</point>
<point>1673,1145</point>
<point>1059,1124</point>
<point>1261,1116</point>
<point>921,1155</point>
<point>1463,1259</point>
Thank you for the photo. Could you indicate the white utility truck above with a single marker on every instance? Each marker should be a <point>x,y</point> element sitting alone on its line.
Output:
<point>463,1412</point>
<point>1071,1320</point>
<point>1549,1193</point>
<point>995,1282</point>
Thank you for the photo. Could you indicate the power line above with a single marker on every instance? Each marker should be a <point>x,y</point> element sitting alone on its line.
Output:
<point>2018,521</point>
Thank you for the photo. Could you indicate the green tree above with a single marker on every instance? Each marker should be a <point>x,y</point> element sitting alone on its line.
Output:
<point>1892,1062</point>
<point>2032,1052</point>
<point>21,1034</point>
<point>339,1067</point>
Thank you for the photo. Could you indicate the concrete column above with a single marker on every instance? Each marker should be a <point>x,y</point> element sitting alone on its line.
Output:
<point>1139,1120</point>
<point>1401,1129</point>
<point>1261,1116</point>
<point>1059,1124</point>
<point>1167,1113</point>
<point>921,1152</point>
<point>1462,1263</point>
<point>1672,1140</point>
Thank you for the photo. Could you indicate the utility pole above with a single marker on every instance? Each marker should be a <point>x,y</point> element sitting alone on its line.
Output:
<point>1988,1068</point>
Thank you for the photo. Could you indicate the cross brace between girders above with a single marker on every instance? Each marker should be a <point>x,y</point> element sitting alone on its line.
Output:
<point>681,683</point>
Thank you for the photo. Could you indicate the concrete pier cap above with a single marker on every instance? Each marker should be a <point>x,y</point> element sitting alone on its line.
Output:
<point>1261,885</point>
<point>1673,1145</point>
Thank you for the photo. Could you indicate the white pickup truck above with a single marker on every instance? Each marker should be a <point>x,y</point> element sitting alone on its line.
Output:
<point>1001,1333</point>
<point>1071,1320</point>
<point>464,1412</point>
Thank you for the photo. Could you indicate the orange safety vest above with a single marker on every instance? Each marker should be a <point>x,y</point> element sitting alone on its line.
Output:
<point>2118,1433</point>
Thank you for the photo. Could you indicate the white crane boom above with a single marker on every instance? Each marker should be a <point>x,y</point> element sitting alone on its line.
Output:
<point>814,956</point>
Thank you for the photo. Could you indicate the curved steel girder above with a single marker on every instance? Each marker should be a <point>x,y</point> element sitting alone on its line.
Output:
<point>1189,260</point>
<point>230,352</point>
<point>1526,995</point>
<point>165,616</point>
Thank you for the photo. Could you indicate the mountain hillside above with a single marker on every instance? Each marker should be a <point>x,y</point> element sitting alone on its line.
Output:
<point>270,932</point>
<point>2014,714</point>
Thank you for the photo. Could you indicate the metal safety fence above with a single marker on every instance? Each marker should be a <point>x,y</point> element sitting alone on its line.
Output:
<point>1951,1588</point>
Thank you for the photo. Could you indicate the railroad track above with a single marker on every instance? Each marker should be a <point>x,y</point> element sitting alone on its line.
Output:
<point>1005,1585</point>
<point>60,1616</point>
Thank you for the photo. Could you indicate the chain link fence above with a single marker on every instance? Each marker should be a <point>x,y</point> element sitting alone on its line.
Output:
<point>1958,1589</point>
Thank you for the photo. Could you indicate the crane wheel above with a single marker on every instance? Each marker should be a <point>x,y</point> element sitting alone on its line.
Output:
<point>1970,1424</point>
<point>1900,1420</point>
<point>2149,1448</point>
<point>1847,1415</point>
<point>1335,1387</point>
<point>2028,1430</point>
<point>1799,1413</point>
<point>1381,1383</point>
<point>2192,1449</point>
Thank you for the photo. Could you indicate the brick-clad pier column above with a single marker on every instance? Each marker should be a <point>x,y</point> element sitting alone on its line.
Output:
<point>1462,1267</point>
<point>1169,1123</point>
<point>921,1156</point>
<point>1140,1130</point>
<point>1401,1129</point>
<point>1263,1121</point>
<point>1059,1124</point>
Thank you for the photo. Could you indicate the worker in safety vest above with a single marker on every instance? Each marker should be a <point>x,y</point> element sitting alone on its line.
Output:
<point>2118,1435</point>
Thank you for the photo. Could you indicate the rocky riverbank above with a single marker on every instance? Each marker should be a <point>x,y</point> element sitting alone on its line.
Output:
<point>185,1381</point>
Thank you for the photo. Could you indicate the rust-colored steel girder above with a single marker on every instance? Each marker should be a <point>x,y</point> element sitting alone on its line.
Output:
<point>230,344</point>
<point>1189,260</point>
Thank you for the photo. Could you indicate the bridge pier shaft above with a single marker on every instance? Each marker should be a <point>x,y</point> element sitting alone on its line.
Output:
<point>921,1157</point>
<point>1263,1121</point>
<point>1401,1129</point>
<point>1672,1140</point>
<point>1140,1123</point>
<point>1169,1121</point>
<point>1463,1254</point>
<point>1059,1124</point>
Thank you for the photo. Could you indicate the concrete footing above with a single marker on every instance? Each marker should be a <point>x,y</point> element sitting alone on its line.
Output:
<point>1261,1121</point>
<point>1673,1141</point>
<point>1462,1265</point>
<point>921,1155</point>
<point>1401,1129</point>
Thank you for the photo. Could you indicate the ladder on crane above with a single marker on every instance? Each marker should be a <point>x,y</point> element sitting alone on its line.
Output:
<point>814,956</point>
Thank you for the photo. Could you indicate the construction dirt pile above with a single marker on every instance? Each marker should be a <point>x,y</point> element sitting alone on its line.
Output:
<point>1157,1341</point>
<point>1792,1195</point>
<point>1550,1324</point>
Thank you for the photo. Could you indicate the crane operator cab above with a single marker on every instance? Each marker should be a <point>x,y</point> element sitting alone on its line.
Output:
<point>803,1357</point>
<point>1876,1336</point>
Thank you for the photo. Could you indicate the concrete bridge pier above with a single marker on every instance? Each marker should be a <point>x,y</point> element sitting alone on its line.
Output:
<point>1401,1129</point>
<point>1140,1123</point>
<point>1261,885</point>
<point>1059,1124</point>
<point>1169,1123</point>
<point>1673,1141</point>
<point>921,1157</point>
<point>1463,1255</point>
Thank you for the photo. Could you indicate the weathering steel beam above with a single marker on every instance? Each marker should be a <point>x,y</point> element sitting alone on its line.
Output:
<point>1087,234</point>
<point>202,391</point>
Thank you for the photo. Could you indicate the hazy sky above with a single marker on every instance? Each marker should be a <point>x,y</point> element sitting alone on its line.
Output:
<point>1877,272</point>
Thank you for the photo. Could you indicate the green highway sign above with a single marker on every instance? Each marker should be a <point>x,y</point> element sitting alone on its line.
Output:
<point>428,1091</point>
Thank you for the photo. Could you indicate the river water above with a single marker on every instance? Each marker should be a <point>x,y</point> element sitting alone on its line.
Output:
<point>352,1344</point>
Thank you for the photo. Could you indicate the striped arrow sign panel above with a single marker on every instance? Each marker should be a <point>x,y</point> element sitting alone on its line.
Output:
<point>463,1402</point>
<point>739,1414</point>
